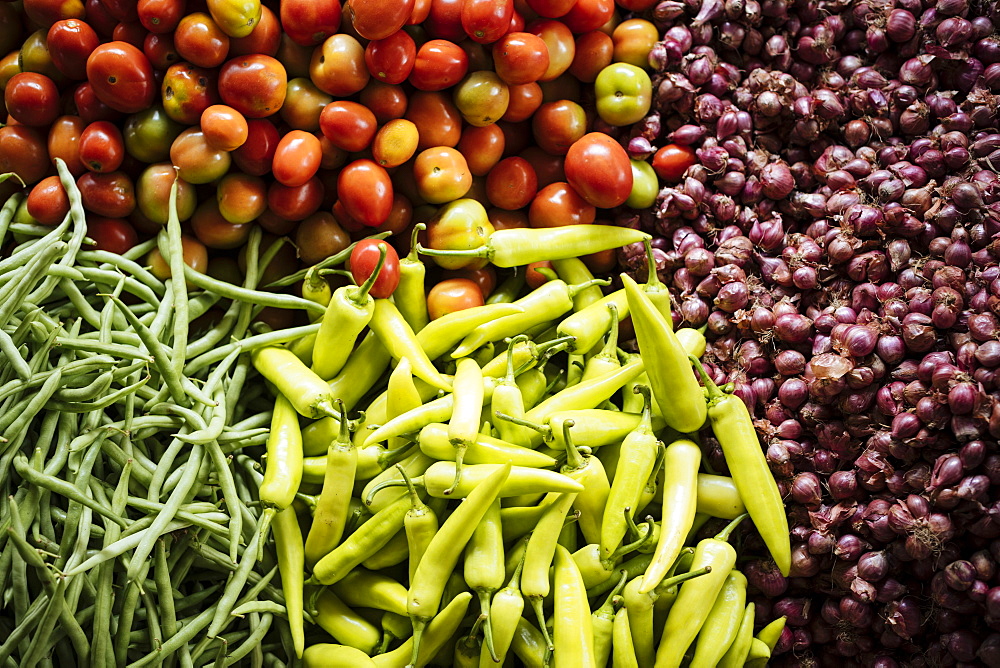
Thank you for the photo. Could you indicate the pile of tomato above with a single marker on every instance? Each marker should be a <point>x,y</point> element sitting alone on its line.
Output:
<point>325,122</point>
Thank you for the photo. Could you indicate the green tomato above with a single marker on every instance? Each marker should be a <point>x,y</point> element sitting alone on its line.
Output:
<point>149,134</point>
<point>624,94</point>
<point>645,186</point>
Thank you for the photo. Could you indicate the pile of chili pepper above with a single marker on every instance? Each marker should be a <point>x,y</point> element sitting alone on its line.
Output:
<point>506,480</point>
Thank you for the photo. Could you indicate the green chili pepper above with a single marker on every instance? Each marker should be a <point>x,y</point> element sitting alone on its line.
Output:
<point>344,624</point>
<point>444,333</point>
<point>529,645</point>
<point>658,293</point>
<point>623,651</point>
<point>443,552</point>
<point>769,636</point>
<point>365,366</point>
<point>694,599</point>
<point>519,246</point>
<point>532,384</point>
<point>420,524</point>
<point>589,472</point>
<point>373,494</point>
<point>693,340</point>
<point>291,563</point>
<point>723,622</point>
<point>316,288</point>
<point>362,588</point>
<point>597,569</point>
<point>602,621</point>
<point>736,655</point>
<point>573,631</point>
<point>505,611</point>
<point>588,325</point>
<point>398,338</point>
<point>718,497</point>
<point>508,399</point>
<point>635,465</point>
<point>419,652</point>
<point>484,568</point>
<point>434,442</point>
<point>675,388</point>
<point>759,653</point>
<point>410,295</point>
<point>606,360</point>
<point>283,471</point>
<point>573,270</point>
<point>332,508</point>
<point>308,393</point>
<point>682,459</point>
<point>733,427</point>
<point>463,427</point>
<point>329,655</point>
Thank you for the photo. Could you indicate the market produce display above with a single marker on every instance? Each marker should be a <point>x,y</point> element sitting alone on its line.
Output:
<point>478,332</point>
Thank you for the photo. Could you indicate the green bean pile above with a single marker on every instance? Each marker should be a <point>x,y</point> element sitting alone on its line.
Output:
<point>129,521</point>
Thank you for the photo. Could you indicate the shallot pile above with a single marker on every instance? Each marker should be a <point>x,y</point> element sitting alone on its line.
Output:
<point>839,238</point>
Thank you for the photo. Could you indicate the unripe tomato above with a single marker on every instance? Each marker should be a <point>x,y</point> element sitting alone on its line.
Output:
<point>451,295</point>
<point>304,103</point>
<point>264,38</point>
<point>645,185</point>
<point>193,251</point>
<point>598,168</point>
<point>624,94</point>
<point>242,197</point>
<point>364,260</point>
<point>196,161</point>
<point>395,143</point>
<point>482,98</point>
<point>365,190</point>
<point>459,225</point>
<point>188,91</point>
<point>121,77</point>
<point>236,18</point>
<point>152,191</point>
<point>149,134</point>
<point>634,39</point>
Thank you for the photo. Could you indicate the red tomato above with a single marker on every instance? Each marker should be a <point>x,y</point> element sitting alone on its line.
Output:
<point>486,21</point>
<point>559,40</point>
<point>293,203</point>
<point>253,85</point>
<point>70,43</point>
<point>594,52</point>
<point>348,125</point>
<point>48,202</point>
<point>90,108</point>
<point>256,154</point>
<point>111,194</point>
<point>213,230</point>
<point>482,147</point>
<point>672,160</point>
<point>365,190</point>
<point>121,77</point>
<point>438,121</point>
<point>309,22</point>
<point>587,15</point>
<point>453,294</point>
<point>376,19</point>
<point>32,99</point>
<point>599,169</point>
<point>391,59</point>
<point>548,167</point>
<point>520,58</point>
<point>64,142</point>
<point>364,260</point>
<point>338,66</point>
<point>160,50</point>
<point>200,40</point>
<point>512,183</point>
<point>485,278</point>
<point>225,128</point>
<point>264,38</point>
<point>438,65</point>
<point>444,21</point>
<point>296,158</point>
<point>115,235</point>
<point>160,16</point>
<point>551,8</point>
<point>525,99</point>
<point>386,101</point>
<point>557,204</point>
<point>557,125</point>
<point>23,151</point>
<point>102,148</point>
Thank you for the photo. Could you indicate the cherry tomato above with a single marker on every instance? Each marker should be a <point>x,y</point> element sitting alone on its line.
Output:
<point>594,52</point>
<point>131,32</point>
<point>160,16</point>
<point>557,125</point>
<point>225,128</point>
<point>257,152</point>
<point>115,235</point>
<point>364,260</point>
<point>64,142</point>
<point>188,91</point>
<point>395,143</point>
<point>525,99</point>
<point>624,94</point>
<point>459,225</point>
<point>598,168</point>
<point>557,204</point>
<point>48,202</point>
<point>90,108</point>
<point>451,295</point>
<point>672,160</point>
<point>587,15</point>
<point>386,101</point>
<point>633,40</point>
<point>102,148</point>
<point>482,147</point>
<point>377,19</point>
<point>439,64</point>
<point>111,194</point>
<point>365,190</point>
<point>294,203</point>
<point>534,278</point>
<point>236,18</point>
<point>296,158</point>
<point>484,277</point>
<point>264,38</point>
<point>196,161</point>
<point>160,50</point>
<point>560,43</point>
<point>444,21</point>
<point>391,58</point>
<point>121,77</point>
<point>520,57</point>
<point>32,99</point>
<point>320,236</point>
<point>241,197</point>
<point>213,230</point>
<point>22,150</point>
<point>338,66</point>
<point>421,9</point>
<point>482,98</point>
<point>348,125</point>
<point>200,40</point>
<point>437,119</point>
<point>294,57</point>
<point>549,168</point>
<point>253,85</point>
<point>70,43</point>
<point>486,21</point>
<point>152,192</point>
<point>309,22</point>
<point>304,103</point>
<point>442,174</point>
<point>551,8</point>
<point>512,183</point>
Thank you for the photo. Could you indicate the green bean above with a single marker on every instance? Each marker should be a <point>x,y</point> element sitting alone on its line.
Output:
<point>170,238</point>
<point>332,261</point>
<point>102,650</point>
<point>250,343</point>
<point>7,213</point>
<point>153,632</point>
<point>163,314</point>
<point>236,582</point>
<point>161,356</point>
<point>79,302</point>
<point>249,296</point>
<point>126,615</point>
<point>121,546</point>
<point>123,264</point>
<point>210,339</point>
<point>253,640</point>
<point>113,349</point>
<point>16,291</point>
<point>140,250</point>
<point>187,631</point>
<point>13,355</point>
<point>103,402</point>
<point>27,624</point>
<point>111,279</point>
<point>98,386</point>
<point>260,607</point>
<point>25,251</point>
<point>62,488</point>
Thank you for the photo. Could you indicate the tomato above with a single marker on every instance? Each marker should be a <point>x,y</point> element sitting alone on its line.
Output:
<point>525,99</point>
<point>264,38</point>
<point>348,125</point>
<point>645,185</point>
<point>512,183</point>
<point>253,85</point>
<point>549,168</point>
<point>501,219</point>
<point>320,236</point>
<point>365,190</point>
<point>451,295</point>
<point>624,94</point>
<point>557,204</point>
<point>90,108</point>
<point>364,260</point>
<point>560,43</point>
<point>296,158</point>
<point>34,55</point>
<point>395,143</point>
<point>131,32</point>
<point>193,251</point>
<point>482,147</point>
<point>102,148</point>
<point>241,197</point>
<point>587,15</point>
<point>442,174</point>
<point>121,77</point>
<point>375,19</point>
<point>386,101</point>
<point>293,203</point>
<point>22,151</point>
<point>64,142</point>
<point>196,161</point>
<point>482,98</point>
<point>557,125</point>
<point>444,21</point>
<point>437,119</point>
<point>439,64</point>
<point>304,103</point>
<point>32,99</point>
<point>633,40</point>
<point>420,12</point>
<point>236,18</point>
<point>520,57</point>
<point>309,22</point>
<point>598,168</point>
<point>47,12</point>
<point>48,202</point>
<point>111,194</point>
<point>187,92</point>
<point>550,8</point>
<point>160,50</point>
<point>391,58</point>
<point>201,41</point>
<point>594,52</point>
<point>459,225</point>
<point>149,134</point>
<point>294,57</point>
<point>9,65</point>
<point>99,18</point>
<point>485,278</point>
<point>225,128</point>
<point>257,152</point>
<point>338,66</point>
<point>160,16</point>
<point>534,278</point>
<point>213,230</point>
<point>152,193</point>
<point>486,21</point>
<point>70,42</point>
<point>115,235</point>
<point>672,160</point>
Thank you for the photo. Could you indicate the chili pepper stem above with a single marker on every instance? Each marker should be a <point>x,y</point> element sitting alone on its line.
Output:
<point>460,450</point>
<point>642,539</point>
<point>484,621</point>
<point>482,251</point>
<point>264,529</point>
<point>536,605</point>
<point>683,577</point>
<point>418,633</point>
<point>576,289</point>
<point>383,485</point>
<point>414,255</point>
<point>542,429</point>
<point>360,296</point>
<point>712,391</point>
<point>724,534</point>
